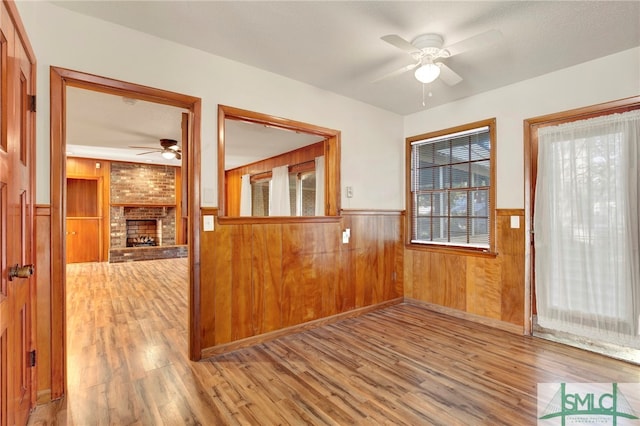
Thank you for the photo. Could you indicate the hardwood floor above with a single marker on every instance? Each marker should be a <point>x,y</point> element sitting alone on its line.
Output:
<point>127,364</point>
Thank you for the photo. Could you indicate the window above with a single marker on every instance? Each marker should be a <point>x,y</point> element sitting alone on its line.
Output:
<point>451,186</point>
<point>302,189</point>
<point>260,197</point>
<point>302,193</point>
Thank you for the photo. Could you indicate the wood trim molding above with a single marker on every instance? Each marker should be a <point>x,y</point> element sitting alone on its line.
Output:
<point>226,220</point>
<point>254,340</point>
<point>354,212</point>
<point>60,78</point>
<point>209,210</point>
<point>43,210</point>
<point>22,34</point>
<point>510,212</point>
<point>489,322</point>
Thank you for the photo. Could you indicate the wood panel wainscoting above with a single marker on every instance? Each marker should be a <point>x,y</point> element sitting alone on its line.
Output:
<point>43,301</point>
<point>260,280</point>
<point>488,288</point>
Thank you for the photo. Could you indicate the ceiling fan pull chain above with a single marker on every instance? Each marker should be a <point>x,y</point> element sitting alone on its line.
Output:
<point>424,102</point>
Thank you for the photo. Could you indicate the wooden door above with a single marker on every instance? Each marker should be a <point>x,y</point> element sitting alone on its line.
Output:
<point>16,226</point>
<point>83,237</point>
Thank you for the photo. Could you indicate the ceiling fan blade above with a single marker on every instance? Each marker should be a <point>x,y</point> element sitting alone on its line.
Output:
<point>397,72</point>
<point>400,43</point>
<point>479,41</point>
<point>144,147</point>
<point>145,153</point>
<point>448,76</point>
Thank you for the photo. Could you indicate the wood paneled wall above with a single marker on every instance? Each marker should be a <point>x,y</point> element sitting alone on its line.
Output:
<point>43,301</point>
<point>487,287</point>
<point>260,278</point>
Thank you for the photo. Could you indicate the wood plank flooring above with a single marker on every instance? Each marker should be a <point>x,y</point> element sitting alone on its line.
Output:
<point>128,365</point>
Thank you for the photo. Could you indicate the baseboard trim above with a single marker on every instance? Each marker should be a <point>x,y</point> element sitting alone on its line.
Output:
<point>489,322</point>
<point>261,338</point>
<point>610,350</point>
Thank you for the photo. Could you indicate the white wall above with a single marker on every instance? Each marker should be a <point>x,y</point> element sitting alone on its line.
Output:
<point>610,78</point>
<point>66,39</point>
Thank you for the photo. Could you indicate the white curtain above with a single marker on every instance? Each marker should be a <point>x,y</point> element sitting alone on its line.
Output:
<point>279,200</point>
<point>245,195</point>
<point>320,186</point>
<point>587,260</point>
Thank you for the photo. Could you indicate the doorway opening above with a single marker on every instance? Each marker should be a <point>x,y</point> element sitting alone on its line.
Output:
<point>583,328</point>
<point>60,80</point>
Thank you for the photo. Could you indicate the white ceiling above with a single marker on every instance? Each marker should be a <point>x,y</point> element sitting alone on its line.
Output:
<point>336,45</point>
<point>106,126</point>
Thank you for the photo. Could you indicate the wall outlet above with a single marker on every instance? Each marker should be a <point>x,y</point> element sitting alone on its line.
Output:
<point>345,237</point>
<point>515,222</point>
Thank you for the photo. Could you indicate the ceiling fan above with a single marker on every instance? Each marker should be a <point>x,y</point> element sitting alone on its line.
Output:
<point>427,50</point>
<point>169,149</point>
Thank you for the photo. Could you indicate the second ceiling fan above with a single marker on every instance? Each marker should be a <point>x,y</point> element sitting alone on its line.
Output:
<point>169,149</point>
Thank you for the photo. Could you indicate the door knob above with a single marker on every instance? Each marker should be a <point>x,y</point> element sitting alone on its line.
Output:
<point>24,271</point>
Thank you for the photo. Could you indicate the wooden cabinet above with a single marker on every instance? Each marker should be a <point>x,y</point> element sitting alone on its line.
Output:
<point>83,240</point>
<point>84,221</point>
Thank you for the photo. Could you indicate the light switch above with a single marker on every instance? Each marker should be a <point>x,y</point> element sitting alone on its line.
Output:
<point>207,223</point>
<point>515,222</point>
<point>349,191</point>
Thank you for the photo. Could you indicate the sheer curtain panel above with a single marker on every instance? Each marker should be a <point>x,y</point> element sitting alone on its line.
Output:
<point>320,186</point>
<point>279,199</point>
<point>245,195</point>
<point>587,257</point>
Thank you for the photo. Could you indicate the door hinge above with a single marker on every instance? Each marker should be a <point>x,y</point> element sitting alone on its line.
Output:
<point>32,358</point>
<point>32,103</point>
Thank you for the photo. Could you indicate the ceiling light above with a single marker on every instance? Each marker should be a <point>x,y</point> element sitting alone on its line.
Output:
<point>169,154</point>
<point>427,72</point>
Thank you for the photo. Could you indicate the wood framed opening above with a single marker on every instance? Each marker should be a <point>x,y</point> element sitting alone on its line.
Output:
<point>60,79</point>
<point>330,148</point>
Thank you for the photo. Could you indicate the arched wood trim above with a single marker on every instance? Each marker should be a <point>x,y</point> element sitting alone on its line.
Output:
<point>60,78</point>
<point>531,127</point>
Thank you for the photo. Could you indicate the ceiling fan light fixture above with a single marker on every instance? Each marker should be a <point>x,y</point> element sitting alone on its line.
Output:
<point>427,73</point>
<point>169,154</point>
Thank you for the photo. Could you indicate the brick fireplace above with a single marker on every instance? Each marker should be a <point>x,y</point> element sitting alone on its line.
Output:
<point>143,213</point>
